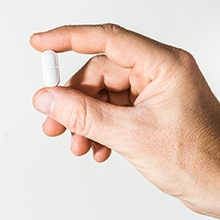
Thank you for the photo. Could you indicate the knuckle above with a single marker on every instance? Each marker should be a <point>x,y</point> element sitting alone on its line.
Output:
<point>98,60</point>
<point>112,28</point>
<point>184,57</point>
<point>96,65</point>
<point>178,62</point>
<point>78,121</point>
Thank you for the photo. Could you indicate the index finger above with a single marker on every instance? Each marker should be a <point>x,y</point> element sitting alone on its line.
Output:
<point>123,47</point>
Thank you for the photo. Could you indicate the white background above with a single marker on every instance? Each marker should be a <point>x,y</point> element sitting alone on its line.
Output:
<point>39,177</point>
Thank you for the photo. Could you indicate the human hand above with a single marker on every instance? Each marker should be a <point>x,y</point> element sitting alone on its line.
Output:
<point>145,100</point>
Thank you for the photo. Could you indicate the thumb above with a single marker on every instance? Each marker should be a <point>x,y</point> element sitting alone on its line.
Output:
<point>83,115</point>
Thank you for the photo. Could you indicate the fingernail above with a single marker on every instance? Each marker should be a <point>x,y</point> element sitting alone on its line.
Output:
<point>44,102</point>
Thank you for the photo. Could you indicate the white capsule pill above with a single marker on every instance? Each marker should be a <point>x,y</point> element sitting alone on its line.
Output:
<point>50,68</point>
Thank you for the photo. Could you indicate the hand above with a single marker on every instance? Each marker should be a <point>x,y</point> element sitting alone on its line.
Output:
<point>145,100</point>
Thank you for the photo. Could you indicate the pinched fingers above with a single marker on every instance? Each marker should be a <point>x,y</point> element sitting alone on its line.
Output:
<point>102,79</point>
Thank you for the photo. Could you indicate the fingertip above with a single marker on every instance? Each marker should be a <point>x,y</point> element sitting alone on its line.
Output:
<point>35,41</point>
<point>79,145</point>
<point>32,38</point>
<point>100,153</point>
<point>52,128</point>
<point>36,95</point>
<point>57,39</point>
<point>100,158</point>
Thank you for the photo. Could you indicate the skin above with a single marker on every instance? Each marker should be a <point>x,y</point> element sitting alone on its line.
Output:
<point>145,100</point>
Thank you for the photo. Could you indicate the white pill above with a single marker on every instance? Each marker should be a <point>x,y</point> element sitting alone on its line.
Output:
<point>50,68</point>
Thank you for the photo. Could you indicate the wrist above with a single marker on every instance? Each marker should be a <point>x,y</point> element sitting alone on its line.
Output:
<point>203,188</point>
<point>206,199</point>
